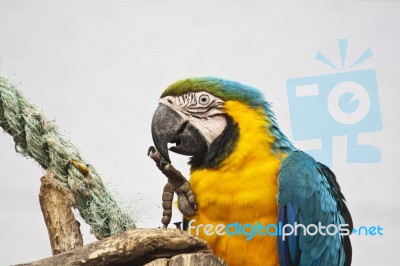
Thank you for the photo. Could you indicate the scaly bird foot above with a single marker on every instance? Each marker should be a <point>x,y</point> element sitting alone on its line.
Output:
<point>176,183</point>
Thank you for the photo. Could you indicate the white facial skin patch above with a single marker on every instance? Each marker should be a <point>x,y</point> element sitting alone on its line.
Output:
<point>202,109</point>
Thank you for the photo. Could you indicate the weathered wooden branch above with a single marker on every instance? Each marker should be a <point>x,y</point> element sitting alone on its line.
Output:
<point>133,247</point>
<point>56,202</point>
<point>189,260</point>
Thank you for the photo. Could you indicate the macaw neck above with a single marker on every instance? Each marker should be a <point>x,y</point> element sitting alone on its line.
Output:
<point>255,142</point>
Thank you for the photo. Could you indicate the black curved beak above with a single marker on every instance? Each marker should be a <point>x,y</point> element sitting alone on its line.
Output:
<point>170,127</point>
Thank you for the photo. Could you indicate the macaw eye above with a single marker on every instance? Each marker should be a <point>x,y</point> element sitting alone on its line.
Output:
<point>204,99</point>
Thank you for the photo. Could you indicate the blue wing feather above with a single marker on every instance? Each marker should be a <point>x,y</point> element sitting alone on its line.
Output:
<point>288,250</point>
<point>283,249</point>
<point>309,194</point>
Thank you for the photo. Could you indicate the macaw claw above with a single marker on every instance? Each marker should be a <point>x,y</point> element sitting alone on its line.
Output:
<point>178,184</point>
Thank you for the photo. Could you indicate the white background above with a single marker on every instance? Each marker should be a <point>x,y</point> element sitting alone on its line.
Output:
<point>98,67</point>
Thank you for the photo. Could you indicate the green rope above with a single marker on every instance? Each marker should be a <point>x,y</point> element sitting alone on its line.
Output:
<point>37,137</point>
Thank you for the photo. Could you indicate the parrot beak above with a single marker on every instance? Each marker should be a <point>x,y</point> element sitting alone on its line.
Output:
<point>170,127</point>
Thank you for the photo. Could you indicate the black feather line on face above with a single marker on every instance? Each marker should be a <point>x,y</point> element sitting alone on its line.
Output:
<point>220,148</point>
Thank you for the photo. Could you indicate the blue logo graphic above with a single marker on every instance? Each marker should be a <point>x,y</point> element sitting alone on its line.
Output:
<point>343,103</point>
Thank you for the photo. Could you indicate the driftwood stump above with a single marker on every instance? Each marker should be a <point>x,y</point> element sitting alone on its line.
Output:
<point>56,203</point>
<point>138,247</point>
<point>189,260</point>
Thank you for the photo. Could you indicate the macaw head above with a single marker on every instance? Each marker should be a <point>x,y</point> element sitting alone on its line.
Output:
<point>202,118</point>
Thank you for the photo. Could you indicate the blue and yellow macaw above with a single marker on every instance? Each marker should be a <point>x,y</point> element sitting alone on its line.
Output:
<point>244,170</point>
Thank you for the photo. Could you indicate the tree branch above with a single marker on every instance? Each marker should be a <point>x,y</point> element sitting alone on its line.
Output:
<point>133,247</point>
<point>55,202</point>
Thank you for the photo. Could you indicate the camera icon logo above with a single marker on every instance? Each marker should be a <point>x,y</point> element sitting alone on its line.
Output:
<point>344,103</point>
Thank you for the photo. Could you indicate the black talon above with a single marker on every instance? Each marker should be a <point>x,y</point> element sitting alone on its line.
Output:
<point>178,225</point>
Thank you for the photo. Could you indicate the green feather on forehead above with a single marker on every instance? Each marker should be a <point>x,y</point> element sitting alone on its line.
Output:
<point>224,89</point>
